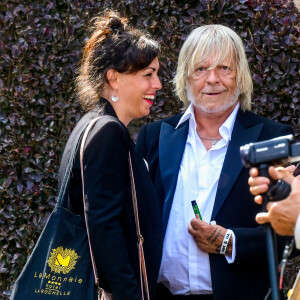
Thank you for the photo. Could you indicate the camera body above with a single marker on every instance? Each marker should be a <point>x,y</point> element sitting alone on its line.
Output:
<point>278,151</point>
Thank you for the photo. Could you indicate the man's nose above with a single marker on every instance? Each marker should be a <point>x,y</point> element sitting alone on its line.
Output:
<point>213,76</point>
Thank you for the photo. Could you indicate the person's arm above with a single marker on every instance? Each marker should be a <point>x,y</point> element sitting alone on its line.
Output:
<point>106,169</point>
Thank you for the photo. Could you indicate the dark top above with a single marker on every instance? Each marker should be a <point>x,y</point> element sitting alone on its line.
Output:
<point>109,206</point>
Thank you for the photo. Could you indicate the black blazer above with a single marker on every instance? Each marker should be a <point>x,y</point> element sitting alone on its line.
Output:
<point>162,146</point>
<point>109,205</point>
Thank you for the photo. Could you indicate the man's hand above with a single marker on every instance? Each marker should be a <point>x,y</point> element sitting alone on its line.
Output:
<point>283,214</point>
<point>259,184</point>
<point>209,238</point>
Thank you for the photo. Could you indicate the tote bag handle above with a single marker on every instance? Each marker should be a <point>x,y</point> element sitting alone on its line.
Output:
<point>142,263</point>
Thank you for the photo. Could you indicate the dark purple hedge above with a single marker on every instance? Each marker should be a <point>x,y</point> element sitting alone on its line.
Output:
<point>40,48</point>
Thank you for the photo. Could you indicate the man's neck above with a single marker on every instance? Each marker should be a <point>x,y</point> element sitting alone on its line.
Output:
<point>208,124</point>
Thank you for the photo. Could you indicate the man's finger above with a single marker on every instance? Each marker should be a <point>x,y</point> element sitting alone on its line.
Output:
<point>291,168</point>
<point>270,205</point>
<point>296,184</point>
<point>281,173</point>
<point>253,172</point>
<point>258,199</point>
<point>259,189</point>
<point>191,230</point>
<point>254,181</point>
<point>262,218</point>
<point>197,224</point>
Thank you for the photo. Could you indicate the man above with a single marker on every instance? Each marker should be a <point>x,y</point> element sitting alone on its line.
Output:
<point>195,156</point>
<point>284,216</point>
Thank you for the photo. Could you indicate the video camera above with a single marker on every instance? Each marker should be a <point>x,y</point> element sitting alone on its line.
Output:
<point>278,151</point>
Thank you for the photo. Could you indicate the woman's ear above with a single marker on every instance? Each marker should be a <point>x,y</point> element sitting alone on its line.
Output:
<point>112,76</point>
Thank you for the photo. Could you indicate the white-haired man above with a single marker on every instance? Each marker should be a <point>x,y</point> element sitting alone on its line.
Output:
<point>195,156</point>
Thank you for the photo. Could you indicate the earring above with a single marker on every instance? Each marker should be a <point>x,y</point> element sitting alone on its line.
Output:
<point>115,98</point>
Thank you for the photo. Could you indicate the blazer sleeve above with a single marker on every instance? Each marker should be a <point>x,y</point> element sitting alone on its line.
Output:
<point>106,168</point>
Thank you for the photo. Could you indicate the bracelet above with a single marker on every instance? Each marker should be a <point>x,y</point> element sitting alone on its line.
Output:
<point>225,242</point>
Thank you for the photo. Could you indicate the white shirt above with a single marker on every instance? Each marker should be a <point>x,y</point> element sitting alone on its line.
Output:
<point>297,233</point>
<point>185,268</point>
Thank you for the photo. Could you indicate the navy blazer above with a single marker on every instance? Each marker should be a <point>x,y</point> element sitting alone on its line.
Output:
<point>162,145</point>
<point>109,205</point>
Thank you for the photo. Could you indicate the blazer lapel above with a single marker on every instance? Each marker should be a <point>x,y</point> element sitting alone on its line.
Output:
<point>171,147</point>
<point>232,166</point>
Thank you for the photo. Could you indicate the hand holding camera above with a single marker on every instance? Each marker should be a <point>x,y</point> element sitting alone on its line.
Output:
<point>259,184</point>
<point>281,184</point>
<point>281,214</point>
<point>277,151</point>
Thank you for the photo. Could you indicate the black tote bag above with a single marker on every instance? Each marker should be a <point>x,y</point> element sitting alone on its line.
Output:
<point>60,265</point>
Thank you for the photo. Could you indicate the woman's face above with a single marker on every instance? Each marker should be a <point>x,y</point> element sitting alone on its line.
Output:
<point>137,91</point>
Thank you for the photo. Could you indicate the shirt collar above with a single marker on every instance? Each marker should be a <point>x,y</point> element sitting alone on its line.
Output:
<point>189,113</point>
<point>225,129</point>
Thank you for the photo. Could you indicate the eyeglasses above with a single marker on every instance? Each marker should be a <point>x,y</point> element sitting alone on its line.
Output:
<point>219,70</point>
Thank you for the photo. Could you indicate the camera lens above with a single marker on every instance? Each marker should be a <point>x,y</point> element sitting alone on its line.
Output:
<point>244,151</point>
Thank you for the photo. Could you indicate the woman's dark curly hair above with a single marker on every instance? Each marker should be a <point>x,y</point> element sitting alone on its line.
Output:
<point>112,45</point>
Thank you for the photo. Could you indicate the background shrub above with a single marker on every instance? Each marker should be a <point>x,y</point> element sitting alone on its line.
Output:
<point>40,48</point>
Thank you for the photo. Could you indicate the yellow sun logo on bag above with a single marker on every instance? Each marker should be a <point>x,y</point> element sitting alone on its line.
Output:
<point>62,260</point>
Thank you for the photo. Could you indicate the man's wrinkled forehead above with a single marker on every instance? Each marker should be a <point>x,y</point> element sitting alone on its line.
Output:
<point>215,57</point>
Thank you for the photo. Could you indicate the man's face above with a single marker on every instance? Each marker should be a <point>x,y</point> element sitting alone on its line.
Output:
<point>215,90</point>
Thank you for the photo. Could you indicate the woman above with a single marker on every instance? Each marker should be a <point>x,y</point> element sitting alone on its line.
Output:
<point>117,81</point>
